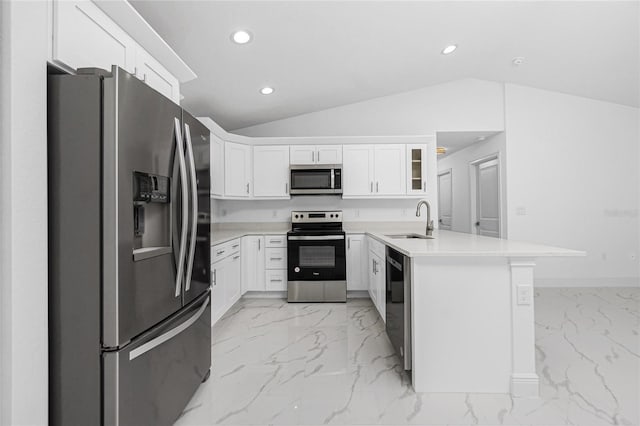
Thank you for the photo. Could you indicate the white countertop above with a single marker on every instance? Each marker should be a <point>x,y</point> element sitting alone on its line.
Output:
<point>447,243</point>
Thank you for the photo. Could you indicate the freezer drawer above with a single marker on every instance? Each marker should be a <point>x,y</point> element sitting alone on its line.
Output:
<point>151,380</point>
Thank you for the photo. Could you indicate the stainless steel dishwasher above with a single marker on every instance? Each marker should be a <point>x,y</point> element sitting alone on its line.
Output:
<point>398,304</point>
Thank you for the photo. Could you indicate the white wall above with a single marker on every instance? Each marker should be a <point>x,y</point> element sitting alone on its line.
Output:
<point>353,210</point>
<point>459,163</point>
<point>473,105</point>
<point>572,166</point>
<point>23,214</point>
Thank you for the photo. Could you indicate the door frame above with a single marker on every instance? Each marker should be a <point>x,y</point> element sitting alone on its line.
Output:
<point>473,192</point>
<point>440,173</point>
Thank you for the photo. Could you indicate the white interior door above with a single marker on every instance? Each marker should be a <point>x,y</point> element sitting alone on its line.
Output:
<point>444,200</point>
<point>488,198</point>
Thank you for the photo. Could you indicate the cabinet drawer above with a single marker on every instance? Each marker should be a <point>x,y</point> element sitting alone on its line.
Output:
<point>275,240</point>
<point>220,251</point>
<point>276,280</point>
<point>276,258</point>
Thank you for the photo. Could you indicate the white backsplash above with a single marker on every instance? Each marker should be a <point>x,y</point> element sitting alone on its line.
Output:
<point>353,210</point>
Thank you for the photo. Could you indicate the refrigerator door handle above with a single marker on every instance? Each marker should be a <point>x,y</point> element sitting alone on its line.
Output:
<point>142,349</point>
<point>185,207</point>
<point>194,206</point>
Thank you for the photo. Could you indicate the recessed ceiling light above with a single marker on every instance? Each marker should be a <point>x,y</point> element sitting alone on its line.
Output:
<point>241,37</point>
<point>266,90</point>
<point>449,49</point>
<point>518,60</point>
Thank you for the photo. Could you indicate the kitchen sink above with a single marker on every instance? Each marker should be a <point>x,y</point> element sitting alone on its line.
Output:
<point>410,236</point>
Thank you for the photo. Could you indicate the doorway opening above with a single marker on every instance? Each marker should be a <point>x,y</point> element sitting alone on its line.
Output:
<point>486,196</point>
<point>445,199</point>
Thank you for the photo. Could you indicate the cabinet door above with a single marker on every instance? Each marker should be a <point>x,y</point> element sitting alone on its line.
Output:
<point>303,154</point>
<point>237,166</point>
<point>149,70</point>
<point>253,263</point>
<point>217,165</point>
<point>329,154</point>
<point>381,281</point>
<point>371,267</point>
<point>416,169</point>
<point>233,280</point>
<point>276,279</point>
<point>357,170</point>
<point>84,36</point>
<point>390,170</point>
<point>271,171</point>
<point>356,262</point>
<point>218,297</point>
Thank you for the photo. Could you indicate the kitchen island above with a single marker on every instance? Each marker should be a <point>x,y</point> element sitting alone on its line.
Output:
<point>472,313</point>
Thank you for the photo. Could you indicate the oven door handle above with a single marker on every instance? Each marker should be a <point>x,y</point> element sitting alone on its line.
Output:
<point>315,237</point>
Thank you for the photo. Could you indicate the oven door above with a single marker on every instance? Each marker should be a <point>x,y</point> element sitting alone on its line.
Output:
<point>314,180</point>
<point>316,257</point>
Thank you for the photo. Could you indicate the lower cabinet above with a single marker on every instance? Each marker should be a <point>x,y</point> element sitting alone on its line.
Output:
<point>357,278</point>
<point>377,275</point>
<point>253,249</point>
<point>226,279</point>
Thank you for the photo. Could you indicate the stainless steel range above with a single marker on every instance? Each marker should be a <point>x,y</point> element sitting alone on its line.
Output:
<point>316,256</point>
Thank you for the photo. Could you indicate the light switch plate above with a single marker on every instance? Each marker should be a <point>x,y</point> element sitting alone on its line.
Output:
<point>524,294</point>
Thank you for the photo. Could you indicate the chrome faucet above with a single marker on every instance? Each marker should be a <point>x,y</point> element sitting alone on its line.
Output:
<point>429,230</point>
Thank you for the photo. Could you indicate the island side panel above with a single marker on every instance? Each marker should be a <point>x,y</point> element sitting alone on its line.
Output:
<point>524,380</point>
<point>461,324</point>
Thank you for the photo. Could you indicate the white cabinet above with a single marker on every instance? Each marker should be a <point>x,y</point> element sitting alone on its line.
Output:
<point>217,165</point>
<point>374,171</point>
<point>357,170</point>
<point>84,36</point>
<point>149,70</point>
<point>357,279</point>
<point>416,169</point>
<point>237,166</point>
<point>276,262</point>
<point>390,169</point>
<point>253,263</point>
<point>226,287</point>
<point>271,171</point>
<point>377,275</point>
<point>315,154</point>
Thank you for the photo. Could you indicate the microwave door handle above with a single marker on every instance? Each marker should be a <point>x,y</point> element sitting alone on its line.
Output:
<point>333,179</point>
<point>185,207</point>
<point>194,206</point>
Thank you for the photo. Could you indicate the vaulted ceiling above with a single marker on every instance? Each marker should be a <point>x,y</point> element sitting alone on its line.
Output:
<point>321,54</point>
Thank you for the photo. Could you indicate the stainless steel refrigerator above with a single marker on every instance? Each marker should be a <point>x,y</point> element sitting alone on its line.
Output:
<point>129,252</point>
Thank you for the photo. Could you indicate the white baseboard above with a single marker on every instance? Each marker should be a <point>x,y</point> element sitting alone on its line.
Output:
<point>265,295</point>
<point>525,385</point>
<point>587,282</point>
<point>357,294</point>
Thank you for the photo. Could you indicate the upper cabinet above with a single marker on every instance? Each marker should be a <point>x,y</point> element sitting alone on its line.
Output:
<point>237,166</point>
<point>217,165</point>
<point>84,36</point>
<point>374,171</point>
<point>417,169</point>
<point>312,154</point>
<point>271,171</point>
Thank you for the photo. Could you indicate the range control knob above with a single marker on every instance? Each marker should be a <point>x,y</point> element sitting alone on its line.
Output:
<point>296,269</point>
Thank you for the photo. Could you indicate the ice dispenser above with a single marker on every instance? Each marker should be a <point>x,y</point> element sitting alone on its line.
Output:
<point>151,215</point>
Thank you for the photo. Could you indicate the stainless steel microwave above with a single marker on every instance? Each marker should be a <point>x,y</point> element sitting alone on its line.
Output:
<point>316,180</point>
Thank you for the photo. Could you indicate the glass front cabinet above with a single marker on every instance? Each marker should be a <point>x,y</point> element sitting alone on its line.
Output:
<point>417,169</point>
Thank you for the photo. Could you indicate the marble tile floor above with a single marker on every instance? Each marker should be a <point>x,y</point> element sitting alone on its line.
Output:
<point>312,364</point>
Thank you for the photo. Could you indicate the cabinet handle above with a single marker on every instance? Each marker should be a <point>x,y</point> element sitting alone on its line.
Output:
<point>424,185</point>
<point>276,281</point>
<point>275,241</point>
<point>286,188</point>
<point>214,278</point>
<point>377,186</point>
<point>236,257</point>
<point>219,252</point>
<point>247,187</point>
<point>371,186</point>
<point>259,244</point>
<point>276,258</point>
<point>348,243</point>
<point>318,156</point>
<point>235,246</point>
<point>373,266</point>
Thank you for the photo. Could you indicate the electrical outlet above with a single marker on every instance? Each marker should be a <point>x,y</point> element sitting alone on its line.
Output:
<point>357,213</point>
<point>525,294</point>
<point>521,211</point>
<point>274,213</point>
<point>224,212</point>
